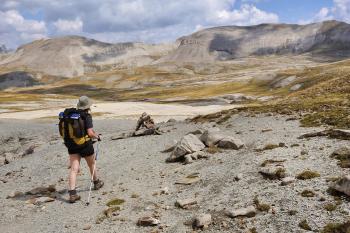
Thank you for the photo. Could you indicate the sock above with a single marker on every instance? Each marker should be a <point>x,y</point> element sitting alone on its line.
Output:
<point>72,192</point>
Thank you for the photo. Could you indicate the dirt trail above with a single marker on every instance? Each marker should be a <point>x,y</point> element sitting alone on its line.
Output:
<point>134,170</point>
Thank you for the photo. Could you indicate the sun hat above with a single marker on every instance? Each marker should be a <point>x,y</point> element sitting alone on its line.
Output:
<point>84,103</point>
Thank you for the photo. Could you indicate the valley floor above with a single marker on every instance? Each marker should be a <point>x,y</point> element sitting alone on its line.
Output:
<point>135,170</point>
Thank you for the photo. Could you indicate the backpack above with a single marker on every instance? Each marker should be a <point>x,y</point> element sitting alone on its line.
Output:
<point>72,127</point>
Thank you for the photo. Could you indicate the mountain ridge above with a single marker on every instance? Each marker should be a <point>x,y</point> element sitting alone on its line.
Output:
<point>71,56</point>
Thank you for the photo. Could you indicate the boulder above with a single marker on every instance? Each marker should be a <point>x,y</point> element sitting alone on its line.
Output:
<point>148,221</point>
<point>187,145</point>
<point>230,143</point>
<point>211,137</point>
<point>343,185</point>
<point>202,221</point>
<point>249,211</point>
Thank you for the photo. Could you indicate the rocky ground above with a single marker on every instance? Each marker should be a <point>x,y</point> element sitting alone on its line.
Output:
<point>135,171</point>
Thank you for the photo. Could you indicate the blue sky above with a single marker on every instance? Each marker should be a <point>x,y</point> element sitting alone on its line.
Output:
<point>151,21</point>
<point>291,11</point>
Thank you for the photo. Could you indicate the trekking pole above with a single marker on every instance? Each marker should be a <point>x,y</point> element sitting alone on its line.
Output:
<point>93,172</point>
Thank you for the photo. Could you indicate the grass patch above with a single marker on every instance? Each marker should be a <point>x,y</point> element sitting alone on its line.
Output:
<point>307,193</point>
<point>337,228</point>
<point>271,161</point>
<point>304,225</point>
<point>263,207</point>
<point>306,175</point>
<point>213,150</point>
<point>115,202</point>
<point>330,207</point>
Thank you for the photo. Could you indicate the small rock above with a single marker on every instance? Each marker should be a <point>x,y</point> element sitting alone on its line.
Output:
<point>148,221</point>
<point>29,151</point>
<point>199,155</point>
<point>188,180</point>
<point>87,227</point>
<point>287,180</point>
<point>202,221</point>
<point>2,160</point>
<point>197,132</point>
<point>15,194</point>
<point>186,203</point>
<point>304,152</point>
<point>266,130</point>
<point>238,177</point>
<point>164,190</point>
<point>250,211</point>
<point>343,185</point>
<point>41,200</point>
<point>171,120</point>
<point>9,157</point>
<point>188,159</point>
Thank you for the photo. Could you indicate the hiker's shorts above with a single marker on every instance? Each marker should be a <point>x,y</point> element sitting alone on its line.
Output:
<point>86,151</point>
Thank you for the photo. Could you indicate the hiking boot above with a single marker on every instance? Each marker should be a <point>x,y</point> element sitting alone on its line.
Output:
<point>98,184</point>
<point>73,196</point>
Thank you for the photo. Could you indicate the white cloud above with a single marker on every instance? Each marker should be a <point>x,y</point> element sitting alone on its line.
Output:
<point>342,9</point>
<point>339,11</point>
<point>125,20</point>
<point>69,26</point>
<point>15,29</point>
<point>247,15</point>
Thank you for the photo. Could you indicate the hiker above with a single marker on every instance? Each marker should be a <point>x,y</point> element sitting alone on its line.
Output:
<point>76,129</point>
<point>145,126</point>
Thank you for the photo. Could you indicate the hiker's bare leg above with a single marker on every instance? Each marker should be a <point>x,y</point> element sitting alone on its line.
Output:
<point>74,160</point>
<point>90,160</point>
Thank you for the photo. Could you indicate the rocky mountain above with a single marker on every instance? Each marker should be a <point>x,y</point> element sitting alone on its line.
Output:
<point>3,49</point>
<point>73,55</point>
<point>331,38</point>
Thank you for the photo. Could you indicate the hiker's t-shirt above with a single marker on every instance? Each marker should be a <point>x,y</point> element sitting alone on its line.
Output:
<point>88,122</point>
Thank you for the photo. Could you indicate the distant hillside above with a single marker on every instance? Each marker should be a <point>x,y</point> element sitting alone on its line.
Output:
<point>3,49</point>
<point>329,38</point>
<point>73,56</point>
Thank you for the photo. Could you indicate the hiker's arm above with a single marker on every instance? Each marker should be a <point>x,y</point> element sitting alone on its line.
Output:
<point>92,134</point>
